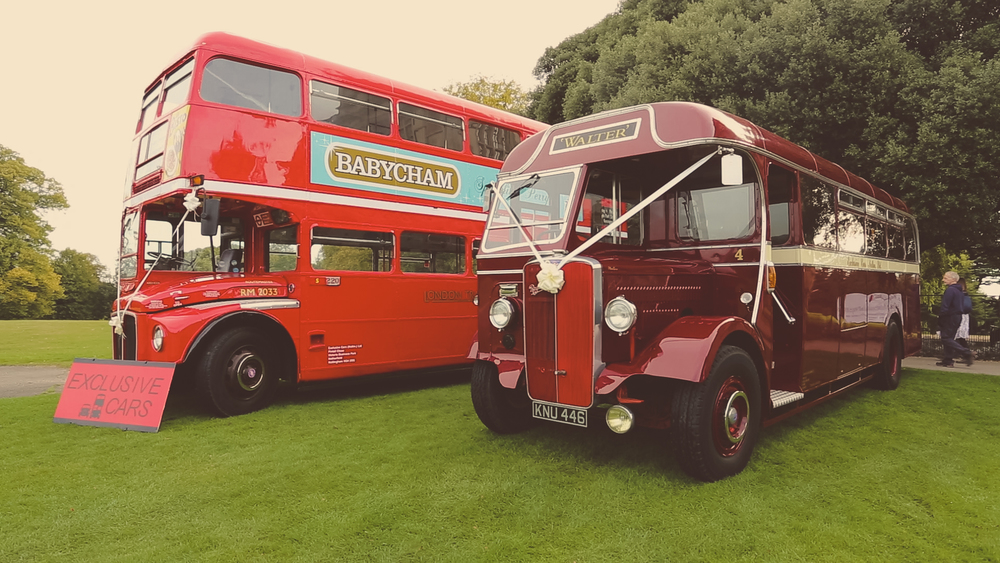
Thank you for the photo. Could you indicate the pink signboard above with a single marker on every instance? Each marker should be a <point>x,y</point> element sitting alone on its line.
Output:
<point>120,394</point>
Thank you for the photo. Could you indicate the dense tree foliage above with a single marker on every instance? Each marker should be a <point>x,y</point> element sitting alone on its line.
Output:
<point>506,95</point>
<point>934,263</point>
<point>87,294</point>
<point>903,92</point>
<point>29,286</point>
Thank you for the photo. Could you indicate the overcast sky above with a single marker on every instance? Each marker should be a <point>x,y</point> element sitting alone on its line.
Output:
<point>73,73</point>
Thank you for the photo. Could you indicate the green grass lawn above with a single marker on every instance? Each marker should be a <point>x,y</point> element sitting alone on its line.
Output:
<point>404,471</point>
<point>53,343</point>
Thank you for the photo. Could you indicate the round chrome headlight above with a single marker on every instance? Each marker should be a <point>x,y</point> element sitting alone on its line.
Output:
<point>619,419</point>
<point>620,314</point>
<point>501,313</point>
<point>157,338</point>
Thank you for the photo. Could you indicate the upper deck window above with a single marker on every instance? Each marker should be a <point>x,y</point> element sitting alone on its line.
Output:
<point>492,141</point>
<point>350,108</point>
<point>149,104</point>
<point>253,87</point>
<point>150,158</point>
<point>177,86</point>
<point>430,127</point>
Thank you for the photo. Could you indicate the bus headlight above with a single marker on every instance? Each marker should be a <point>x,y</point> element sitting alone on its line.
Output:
<point>620,314</point>
<point>619,419</point>
<point>157,338</point>
<point>501,313</point>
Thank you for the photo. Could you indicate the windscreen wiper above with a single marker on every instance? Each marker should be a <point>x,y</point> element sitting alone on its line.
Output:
<point>531,182</point>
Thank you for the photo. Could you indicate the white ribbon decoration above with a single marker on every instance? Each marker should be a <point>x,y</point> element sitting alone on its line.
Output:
<point>550,277</point>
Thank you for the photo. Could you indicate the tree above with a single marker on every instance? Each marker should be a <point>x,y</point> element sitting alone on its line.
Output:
<point>905,93</point>
<point>933,264</point>
<point>86,296</point>
<point>501,94</point>
<point>28,284</point>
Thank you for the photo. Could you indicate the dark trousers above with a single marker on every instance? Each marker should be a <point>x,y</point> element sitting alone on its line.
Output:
<point>952,349</point>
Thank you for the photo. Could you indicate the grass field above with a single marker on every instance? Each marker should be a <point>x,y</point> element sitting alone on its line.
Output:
<point>404,471</point>
<point>53,343</point>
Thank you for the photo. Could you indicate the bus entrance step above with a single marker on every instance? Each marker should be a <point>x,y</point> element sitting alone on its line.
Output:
<point>782,398</point>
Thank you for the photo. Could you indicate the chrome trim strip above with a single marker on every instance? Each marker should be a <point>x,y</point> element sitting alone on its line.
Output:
<point>496,272</point>
<point>251,304</point>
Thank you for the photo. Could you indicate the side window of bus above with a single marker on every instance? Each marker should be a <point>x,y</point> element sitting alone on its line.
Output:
<point>252,87</point>
<point>819,218</point>
<point>491,141</point>
<point>851,225</point>
<point>282,249</point>
<point>875,239</point>
<point>431,253</point>
<point>151,148</point>
<point>896,248</point>
<point>780,187</point>
<point>721,213</point>
<point>909,240</point>
<point>348,250</point>
<point>475,251</point>
<point>609,196</point>
<point>177,86</point>
<point>350,108</point>
<point>430,127</point>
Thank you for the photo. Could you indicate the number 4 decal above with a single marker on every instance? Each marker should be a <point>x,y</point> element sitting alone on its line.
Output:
<point>739,254</point>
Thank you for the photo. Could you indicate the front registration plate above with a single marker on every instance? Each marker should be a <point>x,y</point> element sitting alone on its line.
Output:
<point>556,413</point>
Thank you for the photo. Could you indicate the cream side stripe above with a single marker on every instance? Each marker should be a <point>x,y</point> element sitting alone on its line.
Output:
<point>294,194</point>
<point>820,258</point>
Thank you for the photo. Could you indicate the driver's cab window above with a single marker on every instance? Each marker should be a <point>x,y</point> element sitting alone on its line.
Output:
<point>282,249</point>
<point>172,244</point>
<point>609,196</point>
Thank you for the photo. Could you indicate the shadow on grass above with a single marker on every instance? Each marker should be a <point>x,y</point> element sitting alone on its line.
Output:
<point>183,402</point>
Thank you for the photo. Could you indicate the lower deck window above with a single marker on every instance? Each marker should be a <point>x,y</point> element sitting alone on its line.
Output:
<point>282,249</point>
<point>432,253</point>
<point>349,250</point>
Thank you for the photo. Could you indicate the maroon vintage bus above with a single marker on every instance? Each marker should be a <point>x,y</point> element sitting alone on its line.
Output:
<point>674,266</point>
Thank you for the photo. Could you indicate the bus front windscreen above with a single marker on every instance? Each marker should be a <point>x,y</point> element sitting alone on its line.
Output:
<point>534,205</point>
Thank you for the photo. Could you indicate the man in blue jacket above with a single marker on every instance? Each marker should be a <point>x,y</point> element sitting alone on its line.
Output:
<point>949,318</point>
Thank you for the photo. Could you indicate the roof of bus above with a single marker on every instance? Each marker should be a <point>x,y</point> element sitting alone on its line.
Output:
<point>247,49</point>
<point>620,133</point>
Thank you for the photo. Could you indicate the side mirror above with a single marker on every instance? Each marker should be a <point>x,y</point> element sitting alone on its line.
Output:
<point>487,197</point>
<point>210,217</point>
<point>732,170</point>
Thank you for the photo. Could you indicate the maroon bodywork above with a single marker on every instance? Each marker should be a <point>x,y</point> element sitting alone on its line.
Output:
<point>823,328</point>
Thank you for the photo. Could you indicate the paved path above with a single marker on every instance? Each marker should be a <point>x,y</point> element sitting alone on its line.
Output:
<point>24,381</point>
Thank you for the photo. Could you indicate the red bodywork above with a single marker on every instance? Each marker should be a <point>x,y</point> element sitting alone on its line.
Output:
<point>328,324</point>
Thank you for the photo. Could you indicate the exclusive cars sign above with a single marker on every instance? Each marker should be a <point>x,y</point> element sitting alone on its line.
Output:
<point>126,395</point>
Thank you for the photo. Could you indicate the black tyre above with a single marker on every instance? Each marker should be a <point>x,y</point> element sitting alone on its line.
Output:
<point>502,410</point>
<point>238,373</point>
<point>715,423</point>
<point>887,376</point>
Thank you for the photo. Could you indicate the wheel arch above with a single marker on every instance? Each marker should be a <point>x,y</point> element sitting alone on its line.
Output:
<point>271,328</point>
<point>685,351</point>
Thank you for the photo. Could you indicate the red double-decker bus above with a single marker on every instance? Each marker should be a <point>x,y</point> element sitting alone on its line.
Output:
<point>288,218</point>
<point>682,268</point>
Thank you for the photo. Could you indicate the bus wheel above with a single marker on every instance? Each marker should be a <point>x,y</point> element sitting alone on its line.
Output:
<point>238,373</point>
<point>715,423</point>
<point>887,377</point>
<point>502,410</point>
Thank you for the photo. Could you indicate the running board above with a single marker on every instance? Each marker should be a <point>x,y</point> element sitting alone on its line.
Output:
<point>782,398</point>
